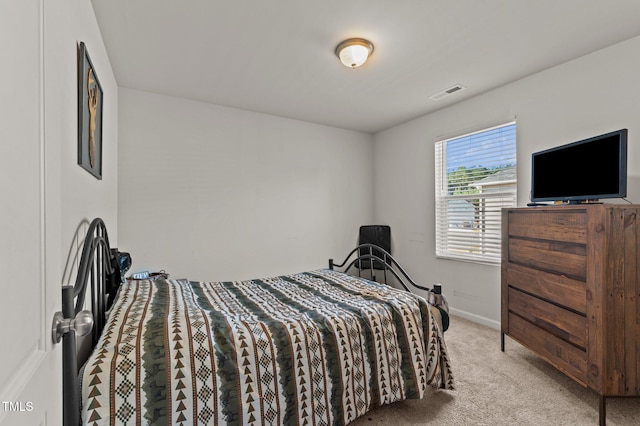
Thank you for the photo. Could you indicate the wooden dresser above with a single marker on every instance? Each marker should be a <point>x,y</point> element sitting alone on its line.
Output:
<point>571,291</point>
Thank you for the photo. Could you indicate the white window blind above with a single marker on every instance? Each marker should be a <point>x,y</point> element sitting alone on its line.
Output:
<point>476,176</point>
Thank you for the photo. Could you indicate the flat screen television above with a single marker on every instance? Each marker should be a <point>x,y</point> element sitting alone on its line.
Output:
<point>582,171</point>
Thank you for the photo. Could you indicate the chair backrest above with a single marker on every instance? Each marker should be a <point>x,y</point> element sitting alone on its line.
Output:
<point>379,235</point>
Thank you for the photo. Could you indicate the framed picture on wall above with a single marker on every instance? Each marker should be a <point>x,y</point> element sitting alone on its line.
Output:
<point>89,115</point>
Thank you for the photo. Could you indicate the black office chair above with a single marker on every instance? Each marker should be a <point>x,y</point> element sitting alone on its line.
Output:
<point>379,235</point>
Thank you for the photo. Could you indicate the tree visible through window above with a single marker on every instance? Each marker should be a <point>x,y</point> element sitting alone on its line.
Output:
<point>476,176</point>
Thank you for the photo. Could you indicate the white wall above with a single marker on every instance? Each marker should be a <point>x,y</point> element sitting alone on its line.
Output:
<point>592,95</point>
<point>74,195</point>
<point>214,193</point>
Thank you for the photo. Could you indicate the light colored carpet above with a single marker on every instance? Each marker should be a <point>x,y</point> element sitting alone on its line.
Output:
<point>495,388</point>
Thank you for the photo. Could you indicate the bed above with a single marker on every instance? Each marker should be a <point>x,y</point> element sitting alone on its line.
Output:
<point>319,347</point>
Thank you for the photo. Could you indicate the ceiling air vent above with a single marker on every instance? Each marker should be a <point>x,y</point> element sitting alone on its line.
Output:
<point>451,90</point>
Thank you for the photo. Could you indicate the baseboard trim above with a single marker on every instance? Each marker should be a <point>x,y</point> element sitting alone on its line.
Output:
<point>475,318</point>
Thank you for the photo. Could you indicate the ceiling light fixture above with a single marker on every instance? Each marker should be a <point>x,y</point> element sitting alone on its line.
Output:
<point>354,52</point>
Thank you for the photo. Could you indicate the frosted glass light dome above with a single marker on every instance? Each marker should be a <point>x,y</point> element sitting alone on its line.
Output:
<point>354,52</point>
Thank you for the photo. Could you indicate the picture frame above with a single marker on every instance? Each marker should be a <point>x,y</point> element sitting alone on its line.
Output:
<point>90,100</point>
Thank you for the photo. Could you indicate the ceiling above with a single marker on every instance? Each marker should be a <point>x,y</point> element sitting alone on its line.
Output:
<point>277,57</point>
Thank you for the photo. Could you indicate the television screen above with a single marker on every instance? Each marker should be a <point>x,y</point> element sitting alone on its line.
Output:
<point>589,169</point>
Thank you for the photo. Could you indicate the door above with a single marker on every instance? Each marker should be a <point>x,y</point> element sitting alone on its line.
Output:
<point>30,365</point>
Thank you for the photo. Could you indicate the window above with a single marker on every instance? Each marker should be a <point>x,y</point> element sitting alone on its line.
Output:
<point>475,178</point>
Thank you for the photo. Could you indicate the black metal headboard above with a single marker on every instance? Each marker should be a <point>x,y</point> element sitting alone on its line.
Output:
<point>98,268</point>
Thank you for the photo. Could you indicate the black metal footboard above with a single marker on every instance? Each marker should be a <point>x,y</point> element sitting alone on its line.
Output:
<point>377,258</point>
<point>370,257</point>
<point>97,268</point>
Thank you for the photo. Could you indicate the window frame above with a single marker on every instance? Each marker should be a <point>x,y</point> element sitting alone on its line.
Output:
<point>477,240</point>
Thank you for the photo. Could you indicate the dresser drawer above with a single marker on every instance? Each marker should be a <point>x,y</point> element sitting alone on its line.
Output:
<point>563,225</point>
<point>562,355</point>
<point>558,257</point>
<point>560,322</point>
<point>560,289</point>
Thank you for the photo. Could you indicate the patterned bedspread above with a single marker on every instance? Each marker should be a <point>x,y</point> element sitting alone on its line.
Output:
<point>312,348</point>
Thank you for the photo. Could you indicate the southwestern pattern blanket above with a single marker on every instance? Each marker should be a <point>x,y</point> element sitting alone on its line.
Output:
<point>311,348</point>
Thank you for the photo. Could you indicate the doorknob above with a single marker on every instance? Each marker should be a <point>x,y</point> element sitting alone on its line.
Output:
<point>81,324</point>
